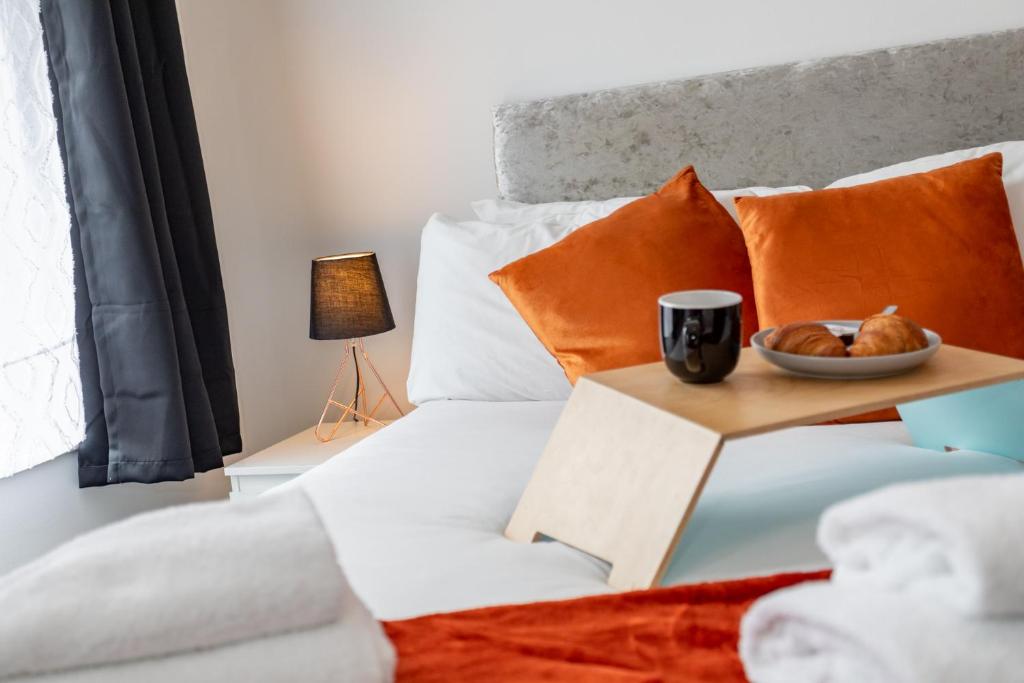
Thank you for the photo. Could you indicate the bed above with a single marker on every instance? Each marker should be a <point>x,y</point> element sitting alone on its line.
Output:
<point>415,514</point>
<point>417,511</point>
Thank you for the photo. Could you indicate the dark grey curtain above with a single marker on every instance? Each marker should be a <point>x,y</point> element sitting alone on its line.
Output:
<point>156,365</point>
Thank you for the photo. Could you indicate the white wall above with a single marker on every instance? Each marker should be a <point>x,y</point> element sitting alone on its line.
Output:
<point>340,125</point>
<point>239,75</point>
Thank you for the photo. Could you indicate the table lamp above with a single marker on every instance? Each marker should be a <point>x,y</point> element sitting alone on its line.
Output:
<point>348,301</point>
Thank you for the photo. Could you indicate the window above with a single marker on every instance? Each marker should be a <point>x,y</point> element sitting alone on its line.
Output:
<point>40,389</point>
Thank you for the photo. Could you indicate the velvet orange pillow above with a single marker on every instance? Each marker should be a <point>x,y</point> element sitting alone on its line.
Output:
<point>940,245</point>
<point>592,298</point>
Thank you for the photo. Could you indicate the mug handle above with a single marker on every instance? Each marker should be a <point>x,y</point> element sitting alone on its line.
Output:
<point>692,333</point>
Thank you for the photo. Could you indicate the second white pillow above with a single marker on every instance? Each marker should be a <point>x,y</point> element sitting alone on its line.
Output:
<point>577,214</point>
<point>468,341</point>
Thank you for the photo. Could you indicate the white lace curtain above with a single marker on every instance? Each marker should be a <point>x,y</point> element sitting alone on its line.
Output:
<point>40,391</point>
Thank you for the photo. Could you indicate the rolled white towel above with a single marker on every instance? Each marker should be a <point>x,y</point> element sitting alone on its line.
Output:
<point>820,632</point>
<point>176,580</point>
<point>344,651</point>
<point>958,540</point>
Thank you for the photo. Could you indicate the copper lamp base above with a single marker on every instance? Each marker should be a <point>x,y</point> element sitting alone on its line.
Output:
<point>352,348</point>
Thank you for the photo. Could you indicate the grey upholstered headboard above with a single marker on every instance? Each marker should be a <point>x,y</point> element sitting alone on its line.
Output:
<point>806,123</point>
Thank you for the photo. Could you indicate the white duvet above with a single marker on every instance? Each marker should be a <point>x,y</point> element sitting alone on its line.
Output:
<point>416,511</point>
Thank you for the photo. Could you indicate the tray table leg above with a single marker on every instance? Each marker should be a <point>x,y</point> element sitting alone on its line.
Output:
<point>990,419</point>
<point>618,479</point>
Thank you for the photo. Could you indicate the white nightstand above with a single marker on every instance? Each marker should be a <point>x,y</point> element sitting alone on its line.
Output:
<point>289,458</point>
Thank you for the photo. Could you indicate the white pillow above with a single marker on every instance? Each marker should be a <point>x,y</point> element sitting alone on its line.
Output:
<point>581,213</point>
<point>468,341</point>
<point>1013,175</point>
<point>504,211</point>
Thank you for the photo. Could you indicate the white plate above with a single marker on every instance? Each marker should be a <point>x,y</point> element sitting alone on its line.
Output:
<point>846,368</point>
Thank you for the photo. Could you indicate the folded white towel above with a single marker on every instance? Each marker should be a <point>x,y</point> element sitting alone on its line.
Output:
<point>958,540</point>
<point>820,632</point>
<point>343,652</point>
<point>180,579</point>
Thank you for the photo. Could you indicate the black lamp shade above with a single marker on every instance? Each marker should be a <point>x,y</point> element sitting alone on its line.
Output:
<point>347,297</point>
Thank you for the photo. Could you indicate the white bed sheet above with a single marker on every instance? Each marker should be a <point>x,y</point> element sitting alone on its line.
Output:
<point>417,510</point>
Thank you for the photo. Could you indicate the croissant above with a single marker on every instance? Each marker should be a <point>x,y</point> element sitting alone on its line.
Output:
<point>881,335</point>
<point>806,339</point>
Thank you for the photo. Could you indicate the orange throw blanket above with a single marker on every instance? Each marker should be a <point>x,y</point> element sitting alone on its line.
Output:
<point>682,633</point>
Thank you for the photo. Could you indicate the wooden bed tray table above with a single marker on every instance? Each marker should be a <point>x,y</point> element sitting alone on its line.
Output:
<point>633,448</point>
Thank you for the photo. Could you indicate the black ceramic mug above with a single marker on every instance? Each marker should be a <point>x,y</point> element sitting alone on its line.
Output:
<point>700,333</point>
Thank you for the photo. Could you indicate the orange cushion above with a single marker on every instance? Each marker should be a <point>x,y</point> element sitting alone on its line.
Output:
<point>940,245</point>
<point>592,298</point>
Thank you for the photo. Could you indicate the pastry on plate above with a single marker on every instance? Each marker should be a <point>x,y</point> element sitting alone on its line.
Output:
<point>882,335</point>
<point>806,339</point>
